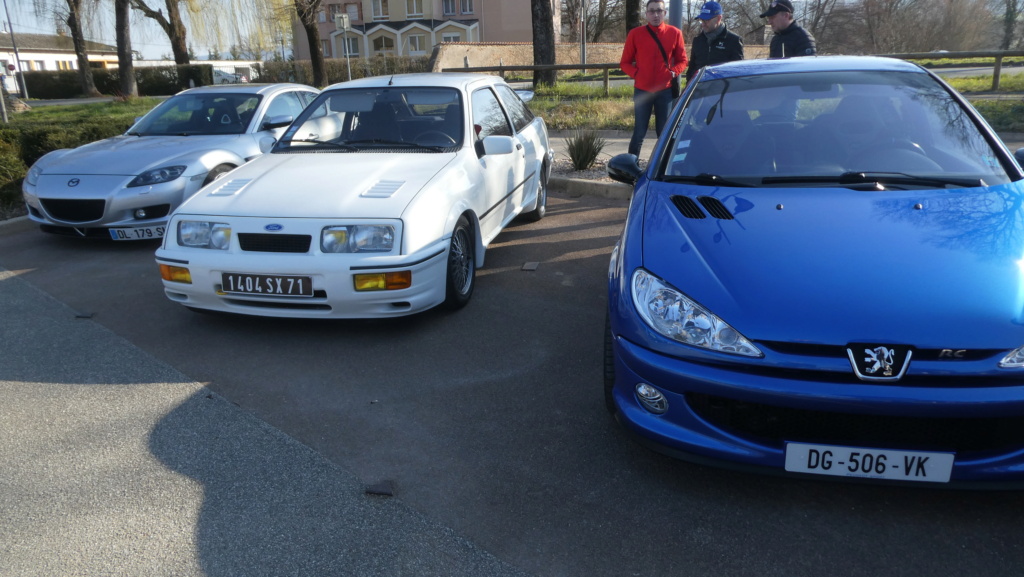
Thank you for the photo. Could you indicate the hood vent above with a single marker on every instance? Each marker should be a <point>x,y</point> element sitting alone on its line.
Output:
<point>715,207</point>
<point>384,189</point>
<point>230,187</point>
<point>691,209</point>
<point>688,207</point>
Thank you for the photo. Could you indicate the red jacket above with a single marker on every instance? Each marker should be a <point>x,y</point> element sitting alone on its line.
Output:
<point>642,61</point>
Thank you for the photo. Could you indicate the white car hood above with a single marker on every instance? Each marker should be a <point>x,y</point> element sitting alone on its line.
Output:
<point>129,155</point>
<point>320,185</point>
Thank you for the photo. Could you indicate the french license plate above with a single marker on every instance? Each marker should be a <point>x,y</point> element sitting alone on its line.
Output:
<point>267,284</point>
<point>842,461</point>
<point>137,233</point>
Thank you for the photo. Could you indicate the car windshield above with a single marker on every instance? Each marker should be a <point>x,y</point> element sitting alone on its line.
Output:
<point>842,128</point>
<point>384,119</point>
<point>199,113</point>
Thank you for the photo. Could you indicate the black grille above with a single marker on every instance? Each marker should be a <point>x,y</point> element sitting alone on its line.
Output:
<point>157,210</point>
<point>274,242</point>
<point>715,207</point>
<point>688,207</point>
<point>74,210</point>
<point>774,425</point>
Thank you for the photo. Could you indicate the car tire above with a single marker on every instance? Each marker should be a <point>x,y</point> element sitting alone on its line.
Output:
<point>217,172</point>
<point>609,366</point>
<point>542,196</point>
<point>461,277</point>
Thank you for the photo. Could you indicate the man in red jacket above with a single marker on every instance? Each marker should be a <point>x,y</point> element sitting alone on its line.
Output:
<point>652,69</point>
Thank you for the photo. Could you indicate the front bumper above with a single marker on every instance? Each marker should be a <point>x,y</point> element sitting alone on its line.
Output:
<point>738,419</point>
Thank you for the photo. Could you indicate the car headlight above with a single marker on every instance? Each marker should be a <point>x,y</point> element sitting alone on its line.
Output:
<point>358,238</point>
<point>33,175</point>
<point>199,234</point>
<point>1014,360</point>
<point>675,316</point>
<point>157,175</point>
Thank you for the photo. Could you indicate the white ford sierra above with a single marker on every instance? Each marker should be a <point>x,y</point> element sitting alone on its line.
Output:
<point>378,201</point>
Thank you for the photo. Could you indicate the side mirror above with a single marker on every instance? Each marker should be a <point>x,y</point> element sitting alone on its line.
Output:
<point>498,145</point>
<point>624,168</point>
<point>277,121</point>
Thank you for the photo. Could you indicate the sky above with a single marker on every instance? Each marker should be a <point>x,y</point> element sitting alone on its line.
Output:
<point>147,38</point>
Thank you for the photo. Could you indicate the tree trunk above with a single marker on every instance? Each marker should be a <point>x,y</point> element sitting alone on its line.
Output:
<point>125,65</point>
<point>543,41</point>
<point>307,11</point>
<point>75,26</point>
<point>633,15</point>
<point>172,26</point>
<point>1009,23</point>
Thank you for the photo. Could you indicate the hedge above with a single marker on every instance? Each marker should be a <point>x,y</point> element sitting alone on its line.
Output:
<point>151,81</point>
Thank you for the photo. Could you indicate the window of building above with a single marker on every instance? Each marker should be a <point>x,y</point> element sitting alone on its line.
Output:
<point>416,44</point>
<point>321,16</point>
<point>466,6</point>
<point>414,8</point>
<point>380,10</point>
<point>353,13</point>
<point>352,45</point>
<point>325,45</point>
<point>384,44</point>
<point>451,37</point>
<point>448,6</point>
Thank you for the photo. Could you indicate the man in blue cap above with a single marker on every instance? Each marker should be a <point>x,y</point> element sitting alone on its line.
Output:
<point>715,44</point>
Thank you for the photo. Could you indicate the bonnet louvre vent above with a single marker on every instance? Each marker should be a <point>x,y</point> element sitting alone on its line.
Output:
<point>230,187</point>
<point>715,207</point>
<point>384,189</point>
<point>688,207</point>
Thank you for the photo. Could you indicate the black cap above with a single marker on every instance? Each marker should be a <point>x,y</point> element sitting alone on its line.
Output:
<point>778,6</point>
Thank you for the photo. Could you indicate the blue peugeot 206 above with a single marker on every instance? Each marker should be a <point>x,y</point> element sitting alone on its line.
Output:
<point>822,273</point>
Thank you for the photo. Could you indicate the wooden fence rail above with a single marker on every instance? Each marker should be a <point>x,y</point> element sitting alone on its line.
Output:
<point>998,55</point>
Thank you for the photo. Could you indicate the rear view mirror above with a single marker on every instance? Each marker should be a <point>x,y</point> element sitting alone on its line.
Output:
<point>277,121</point>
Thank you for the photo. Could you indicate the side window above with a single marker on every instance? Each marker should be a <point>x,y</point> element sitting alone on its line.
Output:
<point>287,103</point>
<point>488,117</point>
<point>521,115</point>
<point>306,98</point>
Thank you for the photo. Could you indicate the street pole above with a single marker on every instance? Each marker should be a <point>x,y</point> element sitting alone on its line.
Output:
<point>342,23</point>
<point>17,57</point>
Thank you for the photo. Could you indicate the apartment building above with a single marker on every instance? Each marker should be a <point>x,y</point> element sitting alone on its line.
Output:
<point>414,27</point>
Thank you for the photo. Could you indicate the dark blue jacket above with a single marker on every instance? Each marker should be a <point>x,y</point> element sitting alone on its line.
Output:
<point>793,41</point>
<point>728,46</point>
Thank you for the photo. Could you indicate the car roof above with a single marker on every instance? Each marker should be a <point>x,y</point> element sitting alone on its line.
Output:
<point>246,88</point>
<point>809,64</point>
<point>461,80</point>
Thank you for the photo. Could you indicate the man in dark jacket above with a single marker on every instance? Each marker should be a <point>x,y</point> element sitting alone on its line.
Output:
<point>790,38</point>
<point>715,44</point>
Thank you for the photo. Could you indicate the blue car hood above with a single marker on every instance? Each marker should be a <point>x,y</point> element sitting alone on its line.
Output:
<point>932,268</point>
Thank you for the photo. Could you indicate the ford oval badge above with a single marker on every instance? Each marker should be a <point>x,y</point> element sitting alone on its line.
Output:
<point>272,227</point>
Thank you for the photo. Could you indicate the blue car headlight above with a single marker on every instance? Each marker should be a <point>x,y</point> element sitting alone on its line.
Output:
<point>199,234</point>
<point>358,238</point>
<point>673,315</point>
<point>157,176</point>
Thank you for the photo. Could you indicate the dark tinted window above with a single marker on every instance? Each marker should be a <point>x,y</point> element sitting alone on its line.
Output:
<point>488,117</point>
<point>521,115</point>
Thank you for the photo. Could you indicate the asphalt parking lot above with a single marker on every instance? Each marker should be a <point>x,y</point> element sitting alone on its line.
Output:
<point>144,439</point>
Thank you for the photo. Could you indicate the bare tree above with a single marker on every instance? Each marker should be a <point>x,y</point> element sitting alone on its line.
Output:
<point>123,34</point>
<point>308,13</point>
<point>633,18</point>
<point>1012,10</point>
<point>543,41</point>
<point>603,19</point>
<point>73,19</point>
<point>172,25</point>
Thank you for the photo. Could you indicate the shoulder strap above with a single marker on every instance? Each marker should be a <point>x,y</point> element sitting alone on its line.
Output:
<point>664,55</point>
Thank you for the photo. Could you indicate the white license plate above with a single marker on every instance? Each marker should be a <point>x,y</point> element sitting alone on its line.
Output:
<point>137,233</point>
<point>842,461</point>
<point>267,284</point>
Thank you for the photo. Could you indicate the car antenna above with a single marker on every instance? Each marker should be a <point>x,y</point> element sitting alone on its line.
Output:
<point>391,81</point>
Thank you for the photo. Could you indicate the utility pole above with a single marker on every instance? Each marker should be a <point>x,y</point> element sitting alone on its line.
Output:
<point>341,23</point>
<point>17,57</point>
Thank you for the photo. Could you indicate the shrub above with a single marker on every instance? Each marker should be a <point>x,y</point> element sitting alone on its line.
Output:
<point>583,147</point>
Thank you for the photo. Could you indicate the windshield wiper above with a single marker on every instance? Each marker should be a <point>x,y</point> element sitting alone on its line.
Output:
<point>705,179</point>
<point>401,143</point>
<point>327,142</point>
<point>897,178</point>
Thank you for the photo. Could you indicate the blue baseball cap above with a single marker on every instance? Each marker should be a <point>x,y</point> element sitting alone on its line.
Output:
<point>709,10</point>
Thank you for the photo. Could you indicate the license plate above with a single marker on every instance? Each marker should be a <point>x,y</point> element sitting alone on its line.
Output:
<point>842,461</point>
<point>137,233</point>
<point>267,284</point>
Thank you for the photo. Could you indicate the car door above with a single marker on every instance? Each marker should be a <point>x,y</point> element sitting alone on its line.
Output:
<point>528,136</point>
<point>502,173</point>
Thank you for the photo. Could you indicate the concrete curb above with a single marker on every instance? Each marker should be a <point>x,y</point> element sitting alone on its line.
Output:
<point>580,186</point>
